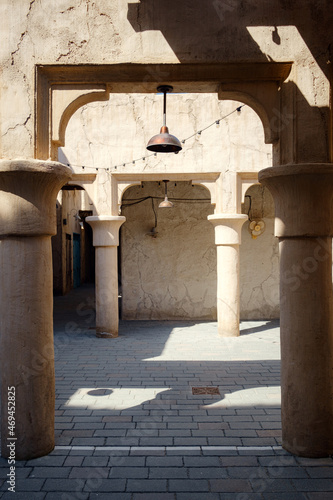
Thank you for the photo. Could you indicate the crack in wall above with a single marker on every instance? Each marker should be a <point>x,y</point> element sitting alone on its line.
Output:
<point>70,48</point>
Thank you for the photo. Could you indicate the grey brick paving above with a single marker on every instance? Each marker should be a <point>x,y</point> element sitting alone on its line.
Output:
<point>129,428</point>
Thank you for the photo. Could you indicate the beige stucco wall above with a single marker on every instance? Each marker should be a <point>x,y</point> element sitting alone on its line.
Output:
<point>156,32</point>
<point>173,276</point>
<point>105,135</point>
<point>259,260</point>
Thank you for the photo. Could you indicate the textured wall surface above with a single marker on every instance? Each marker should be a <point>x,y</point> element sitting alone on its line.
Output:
<point>173,276</point>
<point>259,260</point>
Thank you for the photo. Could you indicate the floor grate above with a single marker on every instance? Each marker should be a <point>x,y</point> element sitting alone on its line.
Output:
<point>205,390</point>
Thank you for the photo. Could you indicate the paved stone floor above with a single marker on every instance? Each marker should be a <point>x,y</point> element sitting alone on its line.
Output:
<point>128,426</point>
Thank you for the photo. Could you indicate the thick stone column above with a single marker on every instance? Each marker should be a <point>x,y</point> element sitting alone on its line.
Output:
<point>228,238</point>
<point>28,191</point>
<point>303,196</point>
<point>106,241</point>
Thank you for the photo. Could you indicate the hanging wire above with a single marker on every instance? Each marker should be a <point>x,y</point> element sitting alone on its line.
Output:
<point>143,158</point>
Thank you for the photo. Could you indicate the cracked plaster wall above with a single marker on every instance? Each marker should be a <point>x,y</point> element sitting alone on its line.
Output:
<point>173,276</point>
<point>259,260</point>
<point>35,32</point>
<point>105,134</point>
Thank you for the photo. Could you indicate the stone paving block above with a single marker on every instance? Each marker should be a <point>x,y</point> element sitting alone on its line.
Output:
<point>81,452</point>
<point>237,461</point>
<point>230,485</point>
<point>202,462</point>
<point>105,485</point>
<point>108,433</point>
<point>208,473</point>
<point>146,485</point>
<point>174,432</point>
<point>168,472</point>
<point>87,426</point>
<point>152,496</point>
<point>26,485</point>
<point>121,441</point>
<point>48,461</point>
<point>127,461</point>
<point>258,442</point>
<point>129,472</point>
<point>287,472</point>
<point>315,495</point>
<point>224,441</point>
<point>320,472</point>
<point>290,495</point>
<point>88,441</point>
<point>73,461</point>
<point>183,441</point>
<point>109,496</point>
<point>156,441</point>
<point>197,496</point>
<point>144,450</point>
<point>89,472</point>
<point>275,485</point>
<point>166,461</point>
<point>95,461</point>
<point>24,496</point>
<point>56,472</point>
<point>313,484</point>
<point>314,462</point>
<point>190,485</point>
<point>241,496</point>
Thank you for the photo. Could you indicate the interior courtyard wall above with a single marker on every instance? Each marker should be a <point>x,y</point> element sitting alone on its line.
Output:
<point>259,259</point>
<point>172,275</point>
<point>108,134</point>
<point>150,32</point>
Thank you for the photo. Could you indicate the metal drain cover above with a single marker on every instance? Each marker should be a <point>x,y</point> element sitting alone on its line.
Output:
<point>205,390</point>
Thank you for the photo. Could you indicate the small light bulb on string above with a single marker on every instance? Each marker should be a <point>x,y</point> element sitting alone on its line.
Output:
<point>217,123</point>
<point>239,110</point>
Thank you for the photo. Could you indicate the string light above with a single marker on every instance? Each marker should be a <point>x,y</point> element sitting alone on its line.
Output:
<point>183,141</point>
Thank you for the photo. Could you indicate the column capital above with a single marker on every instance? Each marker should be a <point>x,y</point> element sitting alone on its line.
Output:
<point>28,194</point>
<point>302,195</point>
<point>106,229</point>
<point>228,228</point>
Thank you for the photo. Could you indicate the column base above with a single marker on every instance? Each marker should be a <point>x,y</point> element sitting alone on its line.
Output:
<point>102,334</point>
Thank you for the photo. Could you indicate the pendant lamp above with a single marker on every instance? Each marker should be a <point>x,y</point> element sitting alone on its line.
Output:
<point>165,203</point>
<point>164,142</point>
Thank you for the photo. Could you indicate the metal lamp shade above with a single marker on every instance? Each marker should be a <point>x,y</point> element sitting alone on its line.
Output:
<point>164,142</point>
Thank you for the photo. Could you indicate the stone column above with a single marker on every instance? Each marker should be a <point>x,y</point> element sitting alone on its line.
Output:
<point>28,191</point>
<point>228,238</point>
<point>106,241</point>
<point>303,224</point>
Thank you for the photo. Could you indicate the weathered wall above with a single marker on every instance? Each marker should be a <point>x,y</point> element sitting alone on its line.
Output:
<point>102,135</point>
<point>259,260</point>
<point>35,32</point>
<point>173,276</point>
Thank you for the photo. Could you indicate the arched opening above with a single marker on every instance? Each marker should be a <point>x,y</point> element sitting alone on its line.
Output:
<point>72,249</point>
<point>168,255</point>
